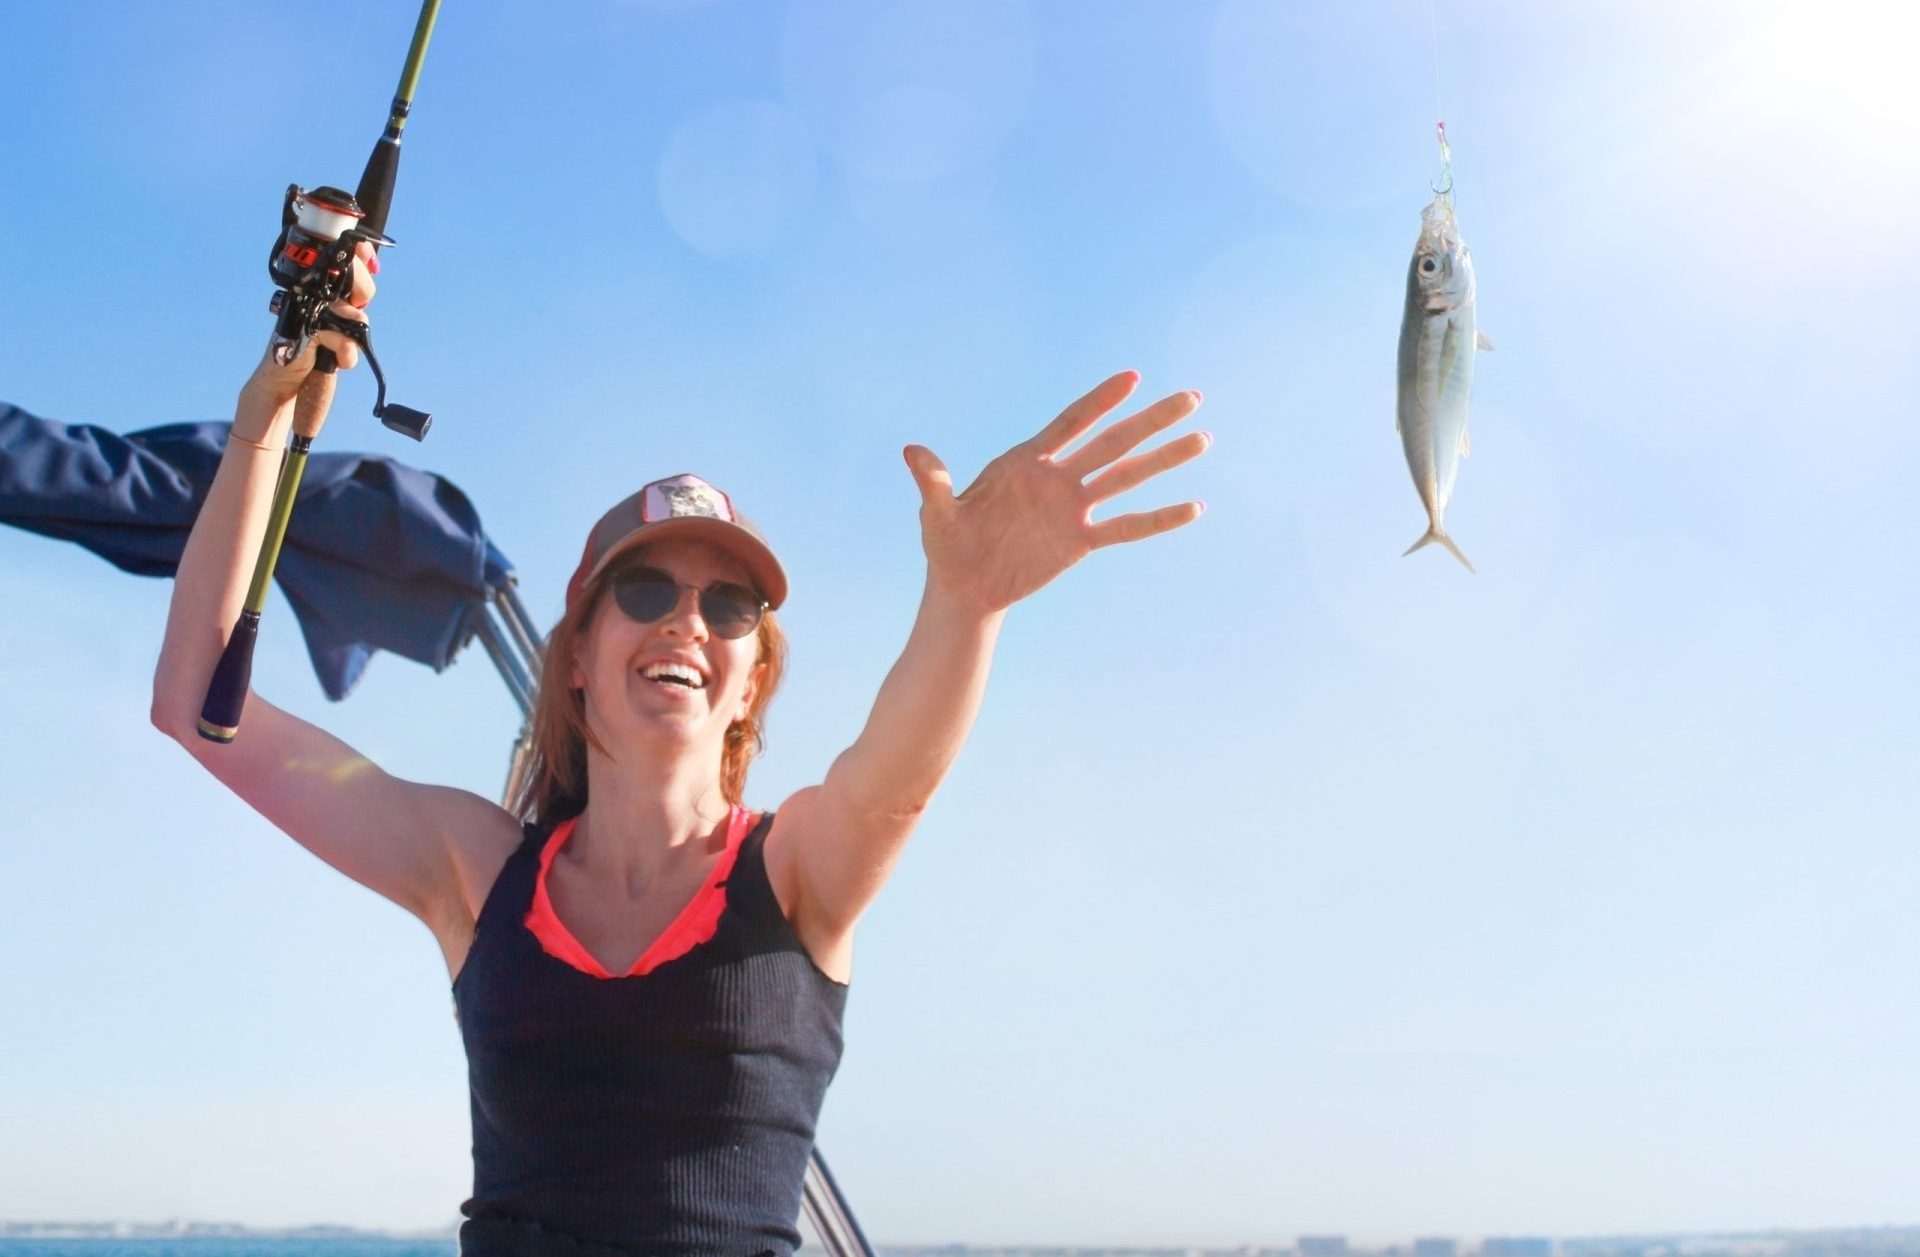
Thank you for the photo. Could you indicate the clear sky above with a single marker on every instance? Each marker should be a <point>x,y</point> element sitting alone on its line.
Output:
<point>1286,885</point>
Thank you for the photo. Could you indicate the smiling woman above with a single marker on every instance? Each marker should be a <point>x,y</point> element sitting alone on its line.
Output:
<point>650,974</point>
<point>553,782</point>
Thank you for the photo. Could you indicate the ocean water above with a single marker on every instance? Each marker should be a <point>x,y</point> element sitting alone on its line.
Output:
<point>227,1247</point>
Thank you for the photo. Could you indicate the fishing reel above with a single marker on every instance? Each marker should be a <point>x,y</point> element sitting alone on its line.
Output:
<point>312,267</point>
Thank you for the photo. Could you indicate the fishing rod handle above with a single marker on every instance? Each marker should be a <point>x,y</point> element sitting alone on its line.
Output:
<point>315,398</point>
<point>233,675</point>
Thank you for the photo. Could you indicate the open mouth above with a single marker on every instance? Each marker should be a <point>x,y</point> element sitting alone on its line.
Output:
<point>674,676</point>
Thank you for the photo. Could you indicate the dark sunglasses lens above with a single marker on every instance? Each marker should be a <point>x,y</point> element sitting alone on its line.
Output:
<point>645,596</point>
<point>730,611</point>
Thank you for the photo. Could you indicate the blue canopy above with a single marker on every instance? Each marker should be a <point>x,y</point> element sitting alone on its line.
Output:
<point>379,555</point>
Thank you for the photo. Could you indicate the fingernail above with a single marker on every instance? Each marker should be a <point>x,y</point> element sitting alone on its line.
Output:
<point>373,264</point>
<point>1203,508</point>
<point>1198,397</point>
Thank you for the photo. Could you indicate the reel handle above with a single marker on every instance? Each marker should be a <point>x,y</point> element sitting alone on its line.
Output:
<point>402,419</point>
<point>405,420</point>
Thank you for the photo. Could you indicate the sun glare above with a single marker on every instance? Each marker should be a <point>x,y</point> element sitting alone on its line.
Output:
<point>1827,91</point>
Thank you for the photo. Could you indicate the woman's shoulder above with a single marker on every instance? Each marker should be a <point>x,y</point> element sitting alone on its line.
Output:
<point>479,837</point>
<point>778,832</point>
<point>828,944</point>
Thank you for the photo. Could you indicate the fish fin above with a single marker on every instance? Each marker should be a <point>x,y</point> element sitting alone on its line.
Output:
<point>1480,341</point>
<point>1466,443</point>
<point>1433,535</point>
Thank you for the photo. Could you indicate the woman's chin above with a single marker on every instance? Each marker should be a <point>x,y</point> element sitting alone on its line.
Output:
<point>668,731</point>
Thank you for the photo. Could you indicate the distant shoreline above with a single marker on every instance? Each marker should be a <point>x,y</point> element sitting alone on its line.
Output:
<point>184,1230</point>
<point>1882,1241</point>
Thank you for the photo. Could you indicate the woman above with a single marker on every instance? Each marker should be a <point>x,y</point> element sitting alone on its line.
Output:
<point>649,975</point>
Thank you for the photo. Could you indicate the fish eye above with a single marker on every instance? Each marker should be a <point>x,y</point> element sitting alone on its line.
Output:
<point>1428,266</point>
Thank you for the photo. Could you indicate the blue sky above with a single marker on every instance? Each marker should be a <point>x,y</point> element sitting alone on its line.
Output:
<point>1286,885</point>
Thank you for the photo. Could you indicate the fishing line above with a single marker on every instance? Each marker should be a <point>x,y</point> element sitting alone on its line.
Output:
<point>321,123</point>
<point>1433,17</point>
<point>353,32</point>
<point>1445,187</point>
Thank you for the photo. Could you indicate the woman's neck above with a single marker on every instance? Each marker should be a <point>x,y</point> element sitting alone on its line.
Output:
<point>641,818</point>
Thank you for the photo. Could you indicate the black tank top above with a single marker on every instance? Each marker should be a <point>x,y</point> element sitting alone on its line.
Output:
<point>666,1115</point>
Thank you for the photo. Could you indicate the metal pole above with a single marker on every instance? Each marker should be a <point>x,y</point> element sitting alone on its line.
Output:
<point>514,613</point>
<point>827,1209</point>
<point>511,591</point>
<point>500,651</point>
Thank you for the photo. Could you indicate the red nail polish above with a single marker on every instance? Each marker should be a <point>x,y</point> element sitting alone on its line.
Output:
<point>373,264</point>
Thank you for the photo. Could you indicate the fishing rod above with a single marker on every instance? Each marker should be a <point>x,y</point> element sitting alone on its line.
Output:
<point>312,267</point>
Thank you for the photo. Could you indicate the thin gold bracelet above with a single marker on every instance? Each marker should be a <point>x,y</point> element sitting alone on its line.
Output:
<point>259,445</point>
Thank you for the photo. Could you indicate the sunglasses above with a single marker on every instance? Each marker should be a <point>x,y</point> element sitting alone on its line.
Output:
<point>647,594</point>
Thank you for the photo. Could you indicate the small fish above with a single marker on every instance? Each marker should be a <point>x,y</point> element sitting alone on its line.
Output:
<point>1437,345</point>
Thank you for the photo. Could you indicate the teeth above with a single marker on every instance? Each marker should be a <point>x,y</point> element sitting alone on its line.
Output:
<point>675,672</point>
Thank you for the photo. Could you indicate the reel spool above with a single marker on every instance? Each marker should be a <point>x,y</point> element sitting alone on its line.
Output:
<point>312,267</point>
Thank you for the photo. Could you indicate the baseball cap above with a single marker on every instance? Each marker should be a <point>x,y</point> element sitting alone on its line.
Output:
<point>686,507</point>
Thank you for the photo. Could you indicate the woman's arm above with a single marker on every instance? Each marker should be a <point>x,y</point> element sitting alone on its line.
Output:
<point>1025,520</point>
<point>398,838</point>
<point>217,565</point>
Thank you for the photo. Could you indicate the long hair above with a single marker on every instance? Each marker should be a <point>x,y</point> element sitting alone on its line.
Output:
<point>551,784</point>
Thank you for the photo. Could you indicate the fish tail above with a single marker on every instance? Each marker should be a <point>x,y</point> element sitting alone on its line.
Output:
<point>1434,534</point>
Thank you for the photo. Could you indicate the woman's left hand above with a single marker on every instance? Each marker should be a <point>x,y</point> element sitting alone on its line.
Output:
<point>1027,518</point>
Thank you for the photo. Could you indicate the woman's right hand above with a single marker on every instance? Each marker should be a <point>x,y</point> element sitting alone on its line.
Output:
<point>274,384</point>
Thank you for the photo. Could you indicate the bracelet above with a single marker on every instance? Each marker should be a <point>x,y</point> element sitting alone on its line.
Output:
<point>233,436</point>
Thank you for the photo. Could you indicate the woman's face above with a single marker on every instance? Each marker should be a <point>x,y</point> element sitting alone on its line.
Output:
<point>672,681</point>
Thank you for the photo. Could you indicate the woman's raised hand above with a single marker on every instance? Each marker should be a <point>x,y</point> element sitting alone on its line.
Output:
<point>277,383</point>
<point>1028,516</point>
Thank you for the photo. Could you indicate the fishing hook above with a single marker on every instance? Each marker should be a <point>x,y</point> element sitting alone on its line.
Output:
<point>1446,160</point>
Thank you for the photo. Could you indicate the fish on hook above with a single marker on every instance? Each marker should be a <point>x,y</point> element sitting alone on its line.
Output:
<point>1438,341</point>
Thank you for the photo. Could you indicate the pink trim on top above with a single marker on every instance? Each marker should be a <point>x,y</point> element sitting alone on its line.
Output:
<point>697,922</point>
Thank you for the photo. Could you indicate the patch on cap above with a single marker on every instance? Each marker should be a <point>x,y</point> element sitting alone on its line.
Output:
<point>681,496</point>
